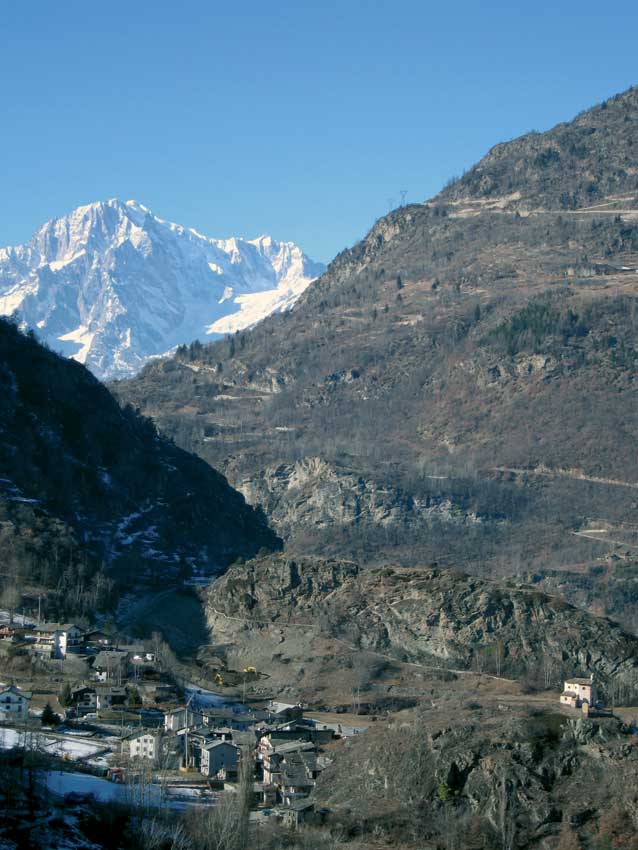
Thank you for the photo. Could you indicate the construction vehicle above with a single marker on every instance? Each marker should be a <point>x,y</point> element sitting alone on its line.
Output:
<point>219,679</point>
<point>250,669</point>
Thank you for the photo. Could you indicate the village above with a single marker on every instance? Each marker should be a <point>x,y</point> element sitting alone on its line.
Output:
<point>120,726</point>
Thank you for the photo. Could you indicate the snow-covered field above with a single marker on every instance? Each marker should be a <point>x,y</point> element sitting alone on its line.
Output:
<point>10,738</point>
<point>59,782</point>
<point>62,747</point>
<point>18,619</point>
<point>174,797</point>
<point>73,749</point>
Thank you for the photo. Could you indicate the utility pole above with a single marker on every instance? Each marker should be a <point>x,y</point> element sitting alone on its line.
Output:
<point>186,753</point>
<point>390,204</point>
<point>403,194</point>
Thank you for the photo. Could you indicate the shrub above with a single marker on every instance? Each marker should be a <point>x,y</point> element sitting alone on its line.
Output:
<point>49,717</point>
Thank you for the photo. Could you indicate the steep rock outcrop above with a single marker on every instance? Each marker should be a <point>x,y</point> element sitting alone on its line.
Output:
<point>424,615</point>
<point>315,494</point>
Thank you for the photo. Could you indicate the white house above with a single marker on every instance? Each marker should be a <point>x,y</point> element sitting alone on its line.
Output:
<point>578,692</point>
<point>14,703</point>
<point>54,640</point>
<point>145,746</point>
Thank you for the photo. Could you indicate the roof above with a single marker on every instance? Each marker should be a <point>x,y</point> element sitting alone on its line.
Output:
<point>81,688</point>
<point>293,747</point>
<point>14,689</point>
<point>297,769</point>
<point>56,627</point>
<point>109,656</point>
<point>227,713</point>
<point>201,731</point>
<point>114,690</point>
<point>278,707</point>
<point>211,745</point>
<point>148,733</point>
<point>297,776</point>
<point>297,806</point>
<point>579,681</point>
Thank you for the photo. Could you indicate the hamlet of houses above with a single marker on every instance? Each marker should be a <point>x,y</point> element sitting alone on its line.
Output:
<point>286,749</point>
<point>283,746</point>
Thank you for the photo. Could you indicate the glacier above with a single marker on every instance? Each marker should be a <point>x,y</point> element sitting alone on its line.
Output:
<point>112,285</point>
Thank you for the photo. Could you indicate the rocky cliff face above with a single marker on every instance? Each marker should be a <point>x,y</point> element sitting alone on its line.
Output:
<point>427,616</point>
<point>486,777</point>
<point>313,493</point>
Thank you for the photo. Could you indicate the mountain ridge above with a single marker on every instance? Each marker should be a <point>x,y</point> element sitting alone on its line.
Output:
<point>408,363</point>
<point>114,285</point>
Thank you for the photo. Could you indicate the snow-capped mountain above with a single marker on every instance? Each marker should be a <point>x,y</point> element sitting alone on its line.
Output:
<point>113,285</point>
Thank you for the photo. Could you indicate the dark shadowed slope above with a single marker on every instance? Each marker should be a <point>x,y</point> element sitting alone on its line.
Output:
<point>84,481</point>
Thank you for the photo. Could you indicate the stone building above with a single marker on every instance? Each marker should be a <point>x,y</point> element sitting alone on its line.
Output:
<point>578,692</point>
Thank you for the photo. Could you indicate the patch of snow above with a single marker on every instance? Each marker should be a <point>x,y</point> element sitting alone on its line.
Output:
<point>18,619</point>
<point>61,782</point>
<point>10,738</point>
<point>63,747</point>
<point>11,300</point>
<point>57,265</point>
<point>254,306</point>
<point>72,749</point>
<point>83,337</point>
<point>227,293</point>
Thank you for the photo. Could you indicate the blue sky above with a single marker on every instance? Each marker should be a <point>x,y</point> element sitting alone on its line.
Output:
<point>297,119</point>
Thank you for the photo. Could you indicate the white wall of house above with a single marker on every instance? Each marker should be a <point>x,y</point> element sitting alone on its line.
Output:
<point>582,692</point>
<point>13,706</point>
<point>144,746</point>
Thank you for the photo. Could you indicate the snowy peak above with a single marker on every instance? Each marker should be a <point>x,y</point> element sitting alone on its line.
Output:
<point>112,285</point>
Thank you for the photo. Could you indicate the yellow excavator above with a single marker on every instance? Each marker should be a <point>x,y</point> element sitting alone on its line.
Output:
<point>219,679</point>
<point>250,669</point>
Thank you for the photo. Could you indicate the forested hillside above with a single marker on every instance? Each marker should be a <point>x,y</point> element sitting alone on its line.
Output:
<point>92,499</point>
